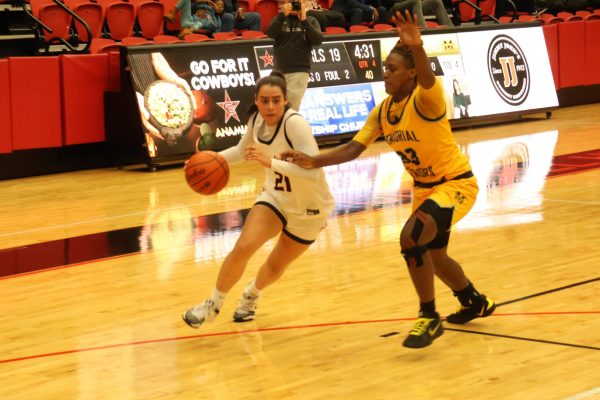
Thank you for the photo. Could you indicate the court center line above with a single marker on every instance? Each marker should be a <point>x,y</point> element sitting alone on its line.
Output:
<point>229,333</point>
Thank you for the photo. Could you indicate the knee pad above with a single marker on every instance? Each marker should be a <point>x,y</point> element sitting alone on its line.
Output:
<point>413,255</point>
<point>443,220</point>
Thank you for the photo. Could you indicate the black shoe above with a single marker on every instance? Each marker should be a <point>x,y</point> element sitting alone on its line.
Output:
<point>466,314</point>
<point>423,333</point>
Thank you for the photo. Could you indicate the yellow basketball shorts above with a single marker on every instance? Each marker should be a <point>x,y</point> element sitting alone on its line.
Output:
<point>458,194</point>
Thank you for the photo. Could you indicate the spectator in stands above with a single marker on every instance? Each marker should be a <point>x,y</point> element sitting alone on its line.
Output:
<point>295,34</point>
<point>234,17</point>
<point>357,11</point>
<point>420,8</point>
<point>325,17</point>
<point>202,18</point>
<point>381,11</point>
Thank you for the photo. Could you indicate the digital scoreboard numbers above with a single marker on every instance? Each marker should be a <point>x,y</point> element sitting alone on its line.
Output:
<point>342,63</point>
<point>444,55</point>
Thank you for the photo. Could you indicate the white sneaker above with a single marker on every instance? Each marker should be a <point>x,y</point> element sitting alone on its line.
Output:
<point>246,309</point>
<point>205,312</point>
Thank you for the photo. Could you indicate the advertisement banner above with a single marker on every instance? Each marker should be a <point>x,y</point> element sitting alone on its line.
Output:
<point>197,96</point>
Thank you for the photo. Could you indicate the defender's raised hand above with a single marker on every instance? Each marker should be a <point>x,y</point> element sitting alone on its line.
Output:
<point>407,28</point>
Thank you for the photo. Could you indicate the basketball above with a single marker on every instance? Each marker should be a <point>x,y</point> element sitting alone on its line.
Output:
<point>206,172</point>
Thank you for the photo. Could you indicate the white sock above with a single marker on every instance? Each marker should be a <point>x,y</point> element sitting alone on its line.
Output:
<point>218,298</point>
<point>252,290</point>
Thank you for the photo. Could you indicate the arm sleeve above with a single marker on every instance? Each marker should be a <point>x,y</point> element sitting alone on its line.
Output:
<point>300,135</point>
<point>430,102</point>
<point>235,154</point>
<point>275,26</point>
<point>313,31</point>
<point>371,129</point>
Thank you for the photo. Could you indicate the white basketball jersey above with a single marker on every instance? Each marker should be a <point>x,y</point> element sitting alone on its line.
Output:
<point>297,191</point>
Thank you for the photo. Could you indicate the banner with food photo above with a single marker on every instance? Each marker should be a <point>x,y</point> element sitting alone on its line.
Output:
<point>192,97</point>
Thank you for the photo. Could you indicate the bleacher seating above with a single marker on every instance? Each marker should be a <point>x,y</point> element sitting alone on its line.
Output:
<point>54,17</point>
<point>119,17</point>
<point>93,15</point>
<point>150,17</point>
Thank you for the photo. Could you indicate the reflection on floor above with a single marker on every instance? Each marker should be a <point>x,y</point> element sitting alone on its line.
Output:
<point>511,174</point>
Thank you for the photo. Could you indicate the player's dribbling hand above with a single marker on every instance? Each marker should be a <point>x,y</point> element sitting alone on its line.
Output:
<point>253,153</point>
<point>408,30</point>
<point>298,158</point>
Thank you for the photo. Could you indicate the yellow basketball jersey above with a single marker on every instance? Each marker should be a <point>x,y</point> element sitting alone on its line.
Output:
<point>419,132</point>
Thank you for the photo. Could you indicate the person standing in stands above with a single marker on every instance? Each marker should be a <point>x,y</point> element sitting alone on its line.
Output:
<point>295,33</point>
<point>414,123</point>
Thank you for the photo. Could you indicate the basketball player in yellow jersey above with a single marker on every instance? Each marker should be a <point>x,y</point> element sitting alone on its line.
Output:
<point>413,121</point>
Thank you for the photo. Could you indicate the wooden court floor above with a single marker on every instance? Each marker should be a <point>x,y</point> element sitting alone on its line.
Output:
<point>97,267</point>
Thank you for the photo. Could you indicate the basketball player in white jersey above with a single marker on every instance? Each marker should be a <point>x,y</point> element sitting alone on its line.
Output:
<point>294,204</point>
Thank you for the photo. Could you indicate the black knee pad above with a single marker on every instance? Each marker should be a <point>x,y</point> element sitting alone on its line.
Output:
<point>443,220</point>
<point>413,255</point>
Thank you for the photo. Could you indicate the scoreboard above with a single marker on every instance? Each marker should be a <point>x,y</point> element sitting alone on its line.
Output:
<point>486,73</point>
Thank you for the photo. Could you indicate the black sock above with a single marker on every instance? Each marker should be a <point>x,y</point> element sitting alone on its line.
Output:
<point>427,310</point>
<point>468,296</point>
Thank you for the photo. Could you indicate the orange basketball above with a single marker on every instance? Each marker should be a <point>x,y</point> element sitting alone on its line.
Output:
<point>206,172</point>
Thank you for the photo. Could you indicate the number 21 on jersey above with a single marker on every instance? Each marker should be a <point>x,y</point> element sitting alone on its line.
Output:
<point>282,183</point>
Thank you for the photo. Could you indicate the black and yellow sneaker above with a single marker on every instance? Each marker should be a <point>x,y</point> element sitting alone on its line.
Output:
<point>423,333</point>
<point>467,313</point>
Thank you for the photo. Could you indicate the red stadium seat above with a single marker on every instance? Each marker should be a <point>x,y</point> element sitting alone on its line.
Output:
<point>383,27</point>
<point>225,36</point>
<point>91,13</point>
<point>166,39</point>
<point>196,37</point>
<point>466,12</point>
<point>550,19</point>
<point>592,51</point>
<point>171,26</point>
<point>488,8</point>
<point>268,9</point>
<point>334,30</point>
<point>569,17</point>
<point>150,17</point>
<point>54,17</point>
<point>526,18</point>
<point>102,45</point>
<point>120,18</point>
<point>253,35</point>
<point>134,41</point>
<point>359,28</point>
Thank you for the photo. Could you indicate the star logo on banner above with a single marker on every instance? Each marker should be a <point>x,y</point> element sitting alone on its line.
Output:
<point>229,107</point>
<point>267,59</point>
